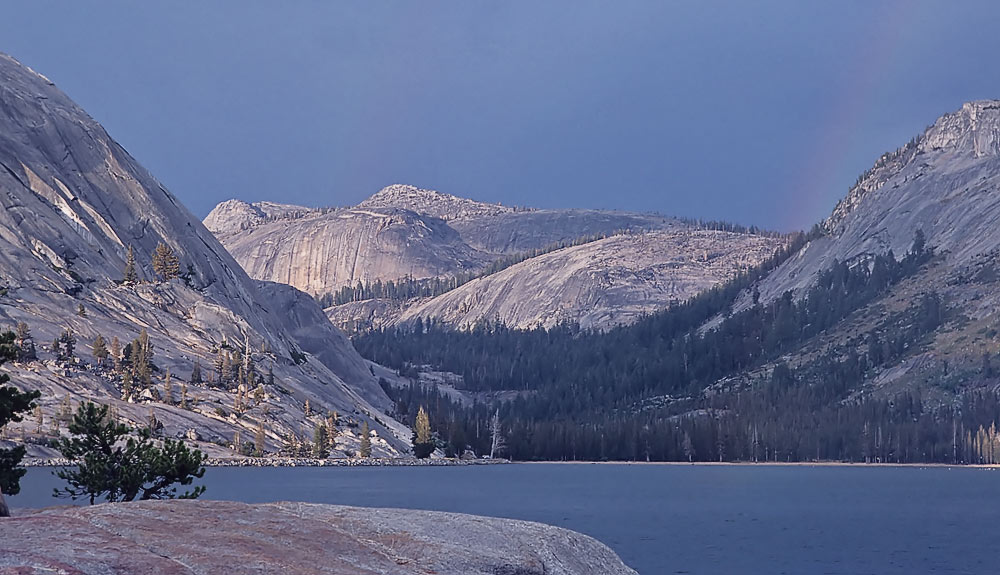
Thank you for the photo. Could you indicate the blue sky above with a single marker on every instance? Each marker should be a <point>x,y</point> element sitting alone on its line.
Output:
<point>756,112</point>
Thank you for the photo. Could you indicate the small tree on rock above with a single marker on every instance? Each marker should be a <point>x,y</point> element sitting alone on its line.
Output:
<point>165,263</point>
<point>100,350</point>
<point>131,274</point>
<point>25,343</point>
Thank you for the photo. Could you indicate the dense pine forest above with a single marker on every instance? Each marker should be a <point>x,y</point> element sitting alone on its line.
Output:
<point>663,390</point>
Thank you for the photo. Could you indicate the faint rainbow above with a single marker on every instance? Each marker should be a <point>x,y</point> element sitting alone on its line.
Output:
<point>819,178</point>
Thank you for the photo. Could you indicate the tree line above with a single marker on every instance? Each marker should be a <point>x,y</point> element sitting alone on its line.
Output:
<point>664,390</point>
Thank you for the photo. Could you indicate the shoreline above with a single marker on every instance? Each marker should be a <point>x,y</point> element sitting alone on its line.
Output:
<point>767,464</point>
<point>213,462</point>
<point>302,462</point>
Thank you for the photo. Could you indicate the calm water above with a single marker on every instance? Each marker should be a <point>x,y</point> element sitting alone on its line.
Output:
<point>680,519</point>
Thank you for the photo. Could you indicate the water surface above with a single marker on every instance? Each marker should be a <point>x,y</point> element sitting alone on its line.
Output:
<point>679,519</point>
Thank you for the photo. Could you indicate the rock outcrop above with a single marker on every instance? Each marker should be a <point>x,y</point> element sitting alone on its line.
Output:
<point>186,537</point>
<point>615,267</point>
<point>72,204</point>
<point>431,203</point>
<point>599,284</point>
<point>945,182</point>
<point>325,250</point>
<point>233,216</point>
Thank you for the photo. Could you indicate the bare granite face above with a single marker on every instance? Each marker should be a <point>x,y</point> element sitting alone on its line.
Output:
<point>211,537</point>
<point>600,284</point>
<point>946,182</point>
<point>72,201</point>
<point>323,251</point>
<point>627,265</point>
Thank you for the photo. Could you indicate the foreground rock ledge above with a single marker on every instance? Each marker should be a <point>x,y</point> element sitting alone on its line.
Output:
<point>212,537</point>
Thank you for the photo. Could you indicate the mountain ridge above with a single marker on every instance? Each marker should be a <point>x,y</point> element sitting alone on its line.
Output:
<point>74,205</point>
<point>388,233</point>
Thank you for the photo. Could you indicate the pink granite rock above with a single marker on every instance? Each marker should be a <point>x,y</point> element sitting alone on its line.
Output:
<point>186,537</point>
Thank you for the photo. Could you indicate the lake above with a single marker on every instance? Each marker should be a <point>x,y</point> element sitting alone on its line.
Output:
<point>662,519</point>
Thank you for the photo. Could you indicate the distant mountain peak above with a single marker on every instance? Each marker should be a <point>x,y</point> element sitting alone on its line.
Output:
<point>973,129</point>
<point>232,216</point>
<point>966,135</point>
<point>431,202</point>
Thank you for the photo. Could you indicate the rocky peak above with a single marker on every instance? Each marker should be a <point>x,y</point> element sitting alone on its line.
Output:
<point>233,216</point>
<point>974,129</point>
<point>431,203</point>
<point>73,204</point>
<point>968,134</point>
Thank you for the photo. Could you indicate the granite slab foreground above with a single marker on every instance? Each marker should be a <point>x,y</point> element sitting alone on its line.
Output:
<point>214,537</point>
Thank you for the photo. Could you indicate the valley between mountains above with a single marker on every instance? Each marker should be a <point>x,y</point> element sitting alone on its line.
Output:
<point>576,333</point>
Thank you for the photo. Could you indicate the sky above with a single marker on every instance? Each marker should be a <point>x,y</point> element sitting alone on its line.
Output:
<point>759,112</point>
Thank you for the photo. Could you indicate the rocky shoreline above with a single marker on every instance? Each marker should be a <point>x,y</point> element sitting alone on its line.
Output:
<point>304,462</point>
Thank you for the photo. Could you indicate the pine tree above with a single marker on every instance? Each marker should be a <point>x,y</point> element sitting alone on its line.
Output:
<point>109,463</point>
<point>165,263</point>
<point>131,273</point>
<point>307,409</point>
<point>127,386</point>
<point>258,395</point>
<point>168,388</point>
<point>226,373</point>
<point>65,345</point>
<point>260,438</point>
<point>141,355</point>
<point>81,311</point>
<point>366,440</point>
<point>320,442</point>
<point>25,343</point>
<point>116,354</point>
<point>184,396</point>
<point>100,350</point>
<point>423,441</point>
<point>196,372</point>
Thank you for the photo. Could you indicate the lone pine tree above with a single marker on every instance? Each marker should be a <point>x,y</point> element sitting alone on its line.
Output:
<point>113,464</point>
<point>423,442</point>
<point>165,263</point>
<point>131,274</point>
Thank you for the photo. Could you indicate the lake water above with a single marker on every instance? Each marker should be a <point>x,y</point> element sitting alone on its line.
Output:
<point>699,519</point>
